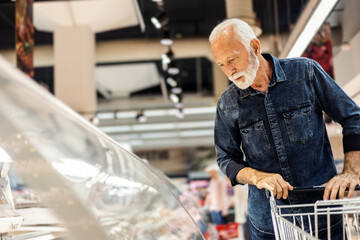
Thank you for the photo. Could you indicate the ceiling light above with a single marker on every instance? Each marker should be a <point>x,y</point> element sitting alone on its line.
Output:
<point>197,133</point>
<point>172,82</point>
<point>153,127</point>
<point>200,110</point>
<point>159,126</point>
<point>159,135</point>
<point>196,125</point>
<point>113,129</point>
<point>173,70</point>
<point>308,24</point>
<point>175,98</point>
<point>95,120</point>
<point>130,114</point>
<point>166,39</point>
<point>177,90</point>
<point>157,112</point>
<point>106,115</point>
<point>167,57</point>
<point>160,20</point>
<point>179,105</point>
<point>180,114</point>
<point>140,117</point>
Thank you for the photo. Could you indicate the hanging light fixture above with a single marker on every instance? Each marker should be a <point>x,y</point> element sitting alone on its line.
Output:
<point>95,120</point>
<point>141,117</point>
<point>167,57</point>
<point>180,113</point>
<point>179,105</point>
<point>177,90</point>
<point>175,98</point>
<point>171,81</point>
<point>160,20</point>
<point>173,70</point>
<point>166,39</point>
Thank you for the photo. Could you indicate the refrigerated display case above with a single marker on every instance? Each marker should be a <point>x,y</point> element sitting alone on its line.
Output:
<point>71,181</point>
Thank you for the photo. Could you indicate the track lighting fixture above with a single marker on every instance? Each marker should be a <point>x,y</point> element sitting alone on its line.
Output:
<point>160,20</point>
<point>95,120</point>
<point>179,113</point>
<point>179,105</point>
<point>141,117</point>
<point>175,98</point>
<point>167,57</point>
<point>171,81</point>
<point>166,39</point>
<point>173,70</point>
<point>177,90</point>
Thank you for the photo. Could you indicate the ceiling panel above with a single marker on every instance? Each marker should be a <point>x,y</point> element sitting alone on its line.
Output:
<point>121,80</point>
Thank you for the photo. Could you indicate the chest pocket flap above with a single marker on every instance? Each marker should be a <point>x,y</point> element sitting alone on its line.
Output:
<point>298,124</point>
<point>255,139</point>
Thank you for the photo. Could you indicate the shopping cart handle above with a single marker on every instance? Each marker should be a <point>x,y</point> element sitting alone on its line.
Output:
<point>315,189</point>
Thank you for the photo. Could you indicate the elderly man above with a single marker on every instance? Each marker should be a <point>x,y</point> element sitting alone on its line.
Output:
<point>269,128</point>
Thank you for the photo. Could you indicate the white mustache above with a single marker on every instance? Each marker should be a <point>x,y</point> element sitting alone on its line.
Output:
<point>236,75</point>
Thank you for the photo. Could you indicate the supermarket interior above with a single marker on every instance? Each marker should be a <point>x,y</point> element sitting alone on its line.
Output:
<point>107,111</point>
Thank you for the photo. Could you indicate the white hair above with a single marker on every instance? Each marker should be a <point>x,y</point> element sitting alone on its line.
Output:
<point>241,29</point>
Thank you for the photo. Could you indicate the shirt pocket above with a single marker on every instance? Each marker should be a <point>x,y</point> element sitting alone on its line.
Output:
<point>298,124</point>
<point>254,139</point>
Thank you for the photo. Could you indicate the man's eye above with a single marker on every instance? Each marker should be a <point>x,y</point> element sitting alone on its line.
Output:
<point>232,60</point>
<point>221,65</point>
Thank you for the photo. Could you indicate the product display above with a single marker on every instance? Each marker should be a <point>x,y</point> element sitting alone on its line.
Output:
<point>72,181</point>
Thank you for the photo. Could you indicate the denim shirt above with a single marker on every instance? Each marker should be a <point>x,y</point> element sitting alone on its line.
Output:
<point>283,131</point>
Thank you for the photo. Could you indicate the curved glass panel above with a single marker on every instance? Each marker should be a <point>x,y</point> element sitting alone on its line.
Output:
<point>90,186</point>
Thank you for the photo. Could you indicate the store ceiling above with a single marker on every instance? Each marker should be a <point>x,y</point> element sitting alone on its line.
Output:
<point>119,14</point>
<point>164,128</point>
<point>187,18</point>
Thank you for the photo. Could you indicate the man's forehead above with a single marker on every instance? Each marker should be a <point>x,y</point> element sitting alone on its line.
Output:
<point>220,46</point>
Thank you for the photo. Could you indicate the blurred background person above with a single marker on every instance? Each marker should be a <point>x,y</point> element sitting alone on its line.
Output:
<point>217,198</point>
<point>240,206</point>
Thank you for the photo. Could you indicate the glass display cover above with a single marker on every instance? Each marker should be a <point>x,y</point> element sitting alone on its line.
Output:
<point>70,180</point>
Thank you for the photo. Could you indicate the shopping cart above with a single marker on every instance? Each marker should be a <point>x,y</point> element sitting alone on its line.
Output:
<point>304,225</point>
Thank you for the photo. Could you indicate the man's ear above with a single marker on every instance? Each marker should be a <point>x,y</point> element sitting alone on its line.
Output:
<point>255,46</point>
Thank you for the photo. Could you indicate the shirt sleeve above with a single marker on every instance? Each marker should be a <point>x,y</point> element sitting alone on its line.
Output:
<point>227,146</point>
<point>339,106</point>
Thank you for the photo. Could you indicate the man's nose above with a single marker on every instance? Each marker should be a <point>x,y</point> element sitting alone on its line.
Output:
<point>230,70</point>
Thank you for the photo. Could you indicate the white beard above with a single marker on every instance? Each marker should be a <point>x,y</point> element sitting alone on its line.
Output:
<point>248,74</point>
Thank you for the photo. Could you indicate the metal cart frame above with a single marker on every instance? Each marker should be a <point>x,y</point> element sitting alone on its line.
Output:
<point>349,209</point>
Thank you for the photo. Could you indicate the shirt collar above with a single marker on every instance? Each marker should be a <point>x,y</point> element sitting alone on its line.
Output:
<point>278,75</point>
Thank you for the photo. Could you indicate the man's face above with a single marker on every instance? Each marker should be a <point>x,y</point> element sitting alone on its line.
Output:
<point>238,63</point>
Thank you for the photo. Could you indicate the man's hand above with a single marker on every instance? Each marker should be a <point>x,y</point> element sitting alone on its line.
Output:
<point>270,181</point>
<point>339,183</point>
<point>273,182</point>
<point>348,178</point>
